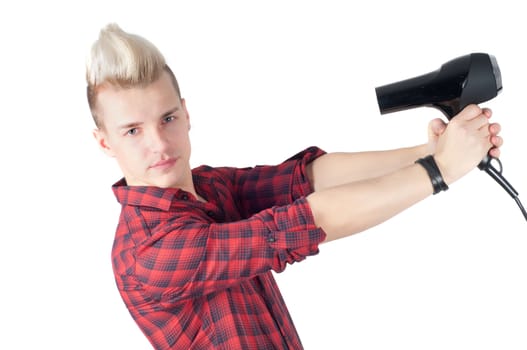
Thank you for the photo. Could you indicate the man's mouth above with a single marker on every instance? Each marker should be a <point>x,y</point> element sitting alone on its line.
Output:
<point>163,164</point>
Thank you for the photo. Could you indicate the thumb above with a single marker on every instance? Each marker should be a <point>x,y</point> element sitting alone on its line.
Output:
<point>436,127</point>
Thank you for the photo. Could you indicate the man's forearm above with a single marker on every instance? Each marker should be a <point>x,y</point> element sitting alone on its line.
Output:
<point>354,207</point>
<point>334,169</point>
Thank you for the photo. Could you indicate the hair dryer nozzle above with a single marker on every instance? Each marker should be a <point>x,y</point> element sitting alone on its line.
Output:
<point>469,79</point>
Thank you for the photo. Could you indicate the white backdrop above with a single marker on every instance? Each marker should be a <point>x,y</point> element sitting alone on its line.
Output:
<point>264,80</point>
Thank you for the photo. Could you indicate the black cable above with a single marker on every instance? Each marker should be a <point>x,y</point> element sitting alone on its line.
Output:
<point>521,207</point>
<point>498,176</point>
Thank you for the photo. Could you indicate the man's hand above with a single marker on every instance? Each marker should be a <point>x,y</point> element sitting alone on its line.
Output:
<point>465,141</point>
<point>437,126</point>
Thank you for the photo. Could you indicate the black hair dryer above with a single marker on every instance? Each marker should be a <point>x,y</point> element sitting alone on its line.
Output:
<point>469,79</point>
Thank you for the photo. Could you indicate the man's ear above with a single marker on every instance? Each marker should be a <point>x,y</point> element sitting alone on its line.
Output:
<point>102,141</point>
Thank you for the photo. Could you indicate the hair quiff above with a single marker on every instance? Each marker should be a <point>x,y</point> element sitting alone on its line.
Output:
<point>123,60</point>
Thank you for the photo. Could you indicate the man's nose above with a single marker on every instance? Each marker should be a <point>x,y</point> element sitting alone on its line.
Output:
<point>157,141</point>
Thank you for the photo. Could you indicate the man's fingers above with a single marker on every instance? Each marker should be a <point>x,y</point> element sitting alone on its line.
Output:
<point>479,122</point>
<point>470,112</point>
<point>497,141</point>
<point>495,128</point>
<point>495,152</point>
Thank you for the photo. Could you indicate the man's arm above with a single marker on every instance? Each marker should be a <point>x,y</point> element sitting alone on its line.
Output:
<point>190,256</point>
<point>351,208</point>
<point>342,208</point>
<point>339,168</point>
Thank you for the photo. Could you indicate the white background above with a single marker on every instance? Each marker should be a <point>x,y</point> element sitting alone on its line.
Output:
<point>264,80</point>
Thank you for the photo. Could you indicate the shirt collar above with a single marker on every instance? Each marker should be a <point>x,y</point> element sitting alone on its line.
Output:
<point>156,197</point>
<point>145,196</point>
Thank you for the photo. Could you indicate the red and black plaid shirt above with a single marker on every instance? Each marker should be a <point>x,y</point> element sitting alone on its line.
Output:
<point>197,275</point>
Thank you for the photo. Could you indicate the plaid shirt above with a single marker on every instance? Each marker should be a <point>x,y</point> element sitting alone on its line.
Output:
<point>197,275</point>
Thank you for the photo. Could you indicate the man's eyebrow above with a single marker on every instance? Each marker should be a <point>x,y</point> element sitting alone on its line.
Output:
<point>169,112</point>
<point>130,125</point>
<point>136,124</point>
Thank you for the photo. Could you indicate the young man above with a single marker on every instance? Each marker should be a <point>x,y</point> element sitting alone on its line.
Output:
<point>194,248</point>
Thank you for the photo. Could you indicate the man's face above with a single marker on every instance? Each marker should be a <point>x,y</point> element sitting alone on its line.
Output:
<point>147,131</point>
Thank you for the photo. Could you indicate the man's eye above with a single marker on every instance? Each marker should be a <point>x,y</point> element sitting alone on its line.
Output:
<point>168,119</point>
<point>132,131</point>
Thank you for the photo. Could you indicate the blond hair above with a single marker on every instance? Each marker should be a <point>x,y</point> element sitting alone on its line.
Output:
<point>123,60</point>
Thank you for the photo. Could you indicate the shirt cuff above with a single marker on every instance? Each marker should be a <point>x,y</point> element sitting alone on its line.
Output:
<point>292,232</point>
<point>301,186</point>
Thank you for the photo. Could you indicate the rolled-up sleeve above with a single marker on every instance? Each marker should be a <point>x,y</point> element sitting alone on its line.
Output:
<point>262,187</point>
<point>293,233</point>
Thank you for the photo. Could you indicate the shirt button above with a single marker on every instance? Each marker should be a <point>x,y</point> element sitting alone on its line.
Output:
<point>271,239</point>
<point>184,197</point>
<point>211,213</point>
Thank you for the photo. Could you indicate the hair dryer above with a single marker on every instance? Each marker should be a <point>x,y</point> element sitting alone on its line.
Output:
<point>469,79</point>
